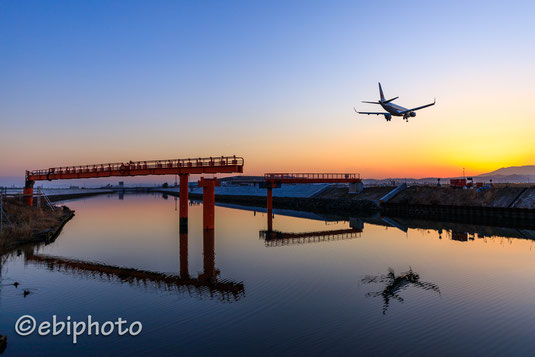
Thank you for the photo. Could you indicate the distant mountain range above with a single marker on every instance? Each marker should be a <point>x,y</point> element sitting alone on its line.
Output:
<point>511,174</point>
<point>527,170</point>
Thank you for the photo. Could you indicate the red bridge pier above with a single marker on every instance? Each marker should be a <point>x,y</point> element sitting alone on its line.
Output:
<point>184,187</point>
<point>275,180</point>
<point>270,208</point>
<point>210,271</point>
<point>27,192</point>
<point>183,254</point>
<point>208,242</point>
<point>208,201</point>
<point>208,218</point>
<point>270,185</point>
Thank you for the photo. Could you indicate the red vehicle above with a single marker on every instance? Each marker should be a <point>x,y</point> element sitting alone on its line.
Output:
<point>458,183</point>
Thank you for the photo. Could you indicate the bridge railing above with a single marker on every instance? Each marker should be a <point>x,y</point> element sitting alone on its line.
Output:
<point>311,176</point>
<point>219,161</point>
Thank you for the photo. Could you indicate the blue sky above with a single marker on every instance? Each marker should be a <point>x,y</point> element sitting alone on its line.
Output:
<point>97,81</point>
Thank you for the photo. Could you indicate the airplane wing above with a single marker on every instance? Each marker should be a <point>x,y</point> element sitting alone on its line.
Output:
<point>418,108</point>
<point>374,113</point>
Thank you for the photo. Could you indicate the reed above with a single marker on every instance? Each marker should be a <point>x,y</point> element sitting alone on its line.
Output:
<point>26,221</point>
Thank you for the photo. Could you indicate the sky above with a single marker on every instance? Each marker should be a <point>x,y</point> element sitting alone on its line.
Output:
<point>84,82</point>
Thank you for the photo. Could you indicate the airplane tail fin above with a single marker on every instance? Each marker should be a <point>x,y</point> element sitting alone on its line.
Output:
<point>381,92</point>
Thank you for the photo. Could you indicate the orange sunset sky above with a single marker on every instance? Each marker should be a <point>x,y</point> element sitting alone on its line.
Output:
<point>115,83</point>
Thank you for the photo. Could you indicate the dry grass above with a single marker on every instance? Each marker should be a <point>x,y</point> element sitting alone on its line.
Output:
<point>26,221</point>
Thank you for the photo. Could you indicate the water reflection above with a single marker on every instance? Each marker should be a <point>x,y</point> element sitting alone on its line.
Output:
<point>206,285</point>
<point>276,238</point>
<point>458,231</point>
<point>3,344</point>
<point>395,284</point>
<point>300,300</point>
<point>183,249</point>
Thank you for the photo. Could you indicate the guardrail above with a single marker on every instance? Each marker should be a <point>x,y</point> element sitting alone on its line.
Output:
<point>311,176</point>
<point>143,165</point>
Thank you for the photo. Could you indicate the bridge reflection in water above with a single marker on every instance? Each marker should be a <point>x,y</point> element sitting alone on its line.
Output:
<point>456,231</point>
<point>275,238</point>
<point>206,284</point>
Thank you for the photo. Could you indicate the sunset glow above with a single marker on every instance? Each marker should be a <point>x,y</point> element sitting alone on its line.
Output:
<point>198,81</point>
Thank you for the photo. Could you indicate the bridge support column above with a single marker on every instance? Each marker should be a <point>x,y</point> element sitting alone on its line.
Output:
<point>356,187</point>
<point>208,201</point>
<point>270,208</point>
<point>184,187</point>
<point>208,244</point>
<point>28,192</point>
<point>183,253</point>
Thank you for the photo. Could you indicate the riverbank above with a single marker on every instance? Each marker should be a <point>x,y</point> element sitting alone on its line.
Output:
<point>506,203</point>
<point>309,204</point>
<point>55,195</point>
<point>26,225</point>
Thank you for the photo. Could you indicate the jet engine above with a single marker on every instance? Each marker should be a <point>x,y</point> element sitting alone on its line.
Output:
<point>413,114</point>
<point>388,117</point>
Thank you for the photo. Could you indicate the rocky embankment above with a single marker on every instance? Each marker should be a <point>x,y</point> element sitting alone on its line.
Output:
<point>499,197</point>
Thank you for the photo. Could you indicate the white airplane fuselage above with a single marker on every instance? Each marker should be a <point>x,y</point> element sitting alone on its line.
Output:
<point>393,109</point>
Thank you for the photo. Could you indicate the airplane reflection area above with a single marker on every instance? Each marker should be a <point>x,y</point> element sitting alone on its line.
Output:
<point>395,284</point>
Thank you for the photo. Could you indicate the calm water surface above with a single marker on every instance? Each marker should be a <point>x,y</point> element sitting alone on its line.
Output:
<point>382,291</point>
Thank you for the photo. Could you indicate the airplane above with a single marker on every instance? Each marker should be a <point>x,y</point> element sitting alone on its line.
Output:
<point>393,109</point>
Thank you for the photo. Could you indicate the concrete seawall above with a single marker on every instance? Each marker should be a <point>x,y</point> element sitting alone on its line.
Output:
<point>311,204</point>
<point>469,214</point>
<point>504,204</point>
<point>68,195</point>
